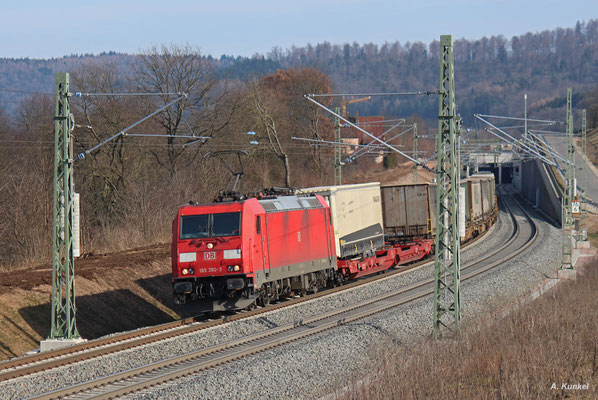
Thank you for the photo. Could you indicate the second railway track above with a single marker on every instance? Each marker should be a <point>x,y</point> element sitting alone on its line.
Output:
<point>150,375</point>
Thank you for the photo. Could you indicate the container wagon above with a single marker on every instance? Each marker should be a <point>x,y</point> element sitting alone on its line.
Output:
<point>361,245</point>
<point>481,206</point>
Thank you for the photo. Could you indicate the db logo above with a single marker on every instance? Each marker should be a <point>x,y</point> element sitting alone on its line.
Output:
<point>209,255</point>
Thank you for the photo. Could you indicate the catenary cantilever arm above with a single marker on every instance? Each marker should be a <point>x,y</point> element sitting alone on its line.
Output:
<point>82,155</point>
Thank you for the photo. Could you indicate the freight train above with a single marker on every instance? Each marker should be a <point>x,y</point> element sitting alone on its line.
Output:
<point>242,251</point>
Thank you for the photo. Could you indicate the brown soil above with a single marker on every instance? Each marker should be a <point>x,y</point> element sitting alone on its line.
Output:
<point>115,292</point>
<point>87,266</point>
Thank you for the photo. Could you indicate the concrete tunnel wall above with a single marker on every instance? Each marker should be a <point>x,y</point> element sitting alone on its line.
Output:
<point>537,188</point>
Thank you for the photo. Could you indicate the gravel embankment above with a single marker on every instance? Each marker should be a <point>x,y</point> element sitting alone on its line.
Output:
<point>317,365</point>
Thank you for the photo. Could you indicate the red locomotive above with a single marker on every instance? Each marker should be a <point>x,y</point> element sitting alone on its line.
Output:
<point>230,255</point>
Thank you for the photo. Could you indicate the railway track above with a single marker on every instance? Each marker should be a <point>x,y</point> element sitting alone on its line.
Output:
<point>154,374</point>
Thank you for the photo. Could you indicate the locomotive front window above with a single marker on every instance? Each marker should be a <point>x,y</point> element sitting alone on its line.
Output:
<point>210,225</point>
<point>226,224</point>
<point>195,226</point>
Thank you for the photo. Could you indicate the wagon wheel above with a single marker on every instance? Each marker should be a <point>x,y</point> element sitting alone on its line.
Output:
<point>264,298</point>
<point>276,291</point>
<point>330,282</point>
<point>336,279</point>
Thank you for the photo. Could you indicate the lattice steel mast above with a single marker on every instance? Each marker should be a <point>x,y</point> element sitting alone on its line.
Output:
<point>63,266</point>
<point>337,148</point>
<point>567,213</point>
<point>447,301</point>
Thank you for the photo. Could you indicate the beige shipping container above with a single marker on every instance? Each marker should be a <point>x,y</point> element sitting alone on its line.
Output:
<point>356,216</point>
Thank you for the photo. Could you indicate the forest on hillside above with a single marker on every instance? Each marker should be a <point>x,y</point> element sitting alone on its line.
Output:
<point>491,74</point>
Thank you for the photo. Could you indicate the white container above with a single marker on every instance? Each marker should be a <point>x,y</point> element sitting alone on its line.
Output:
<point>356,216</point>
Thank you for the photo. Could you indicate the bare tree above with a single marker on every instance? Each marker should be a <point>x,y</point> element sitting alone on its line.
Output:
<point>103,174</point>
<point>205,112</point>
<point>280,111</point>
<point>6,169</point>
<point>26,150</point>
<point>306,117</point>
<point>266,113</point>
<point>35,123</point>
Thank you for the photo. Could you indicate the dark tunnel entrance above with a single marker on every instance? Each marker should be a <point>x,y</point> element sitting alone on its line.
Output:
<point>507,172</point>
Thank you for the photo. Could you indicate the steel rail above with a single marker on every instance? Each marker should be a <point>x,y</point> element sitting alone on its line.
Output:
<point>167,370</point>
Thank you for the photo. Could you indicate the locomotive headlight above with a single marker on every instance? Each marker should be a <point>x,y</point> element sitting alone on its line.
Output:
<point>191,271</point>
<point>210,245</point>
<point>185,271</point>
<point>230,268</point>
<point>237,268</point>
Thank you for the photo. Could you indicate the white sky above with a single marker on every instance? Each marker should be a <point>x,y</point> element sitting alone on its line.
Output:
<point>43,29</point>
